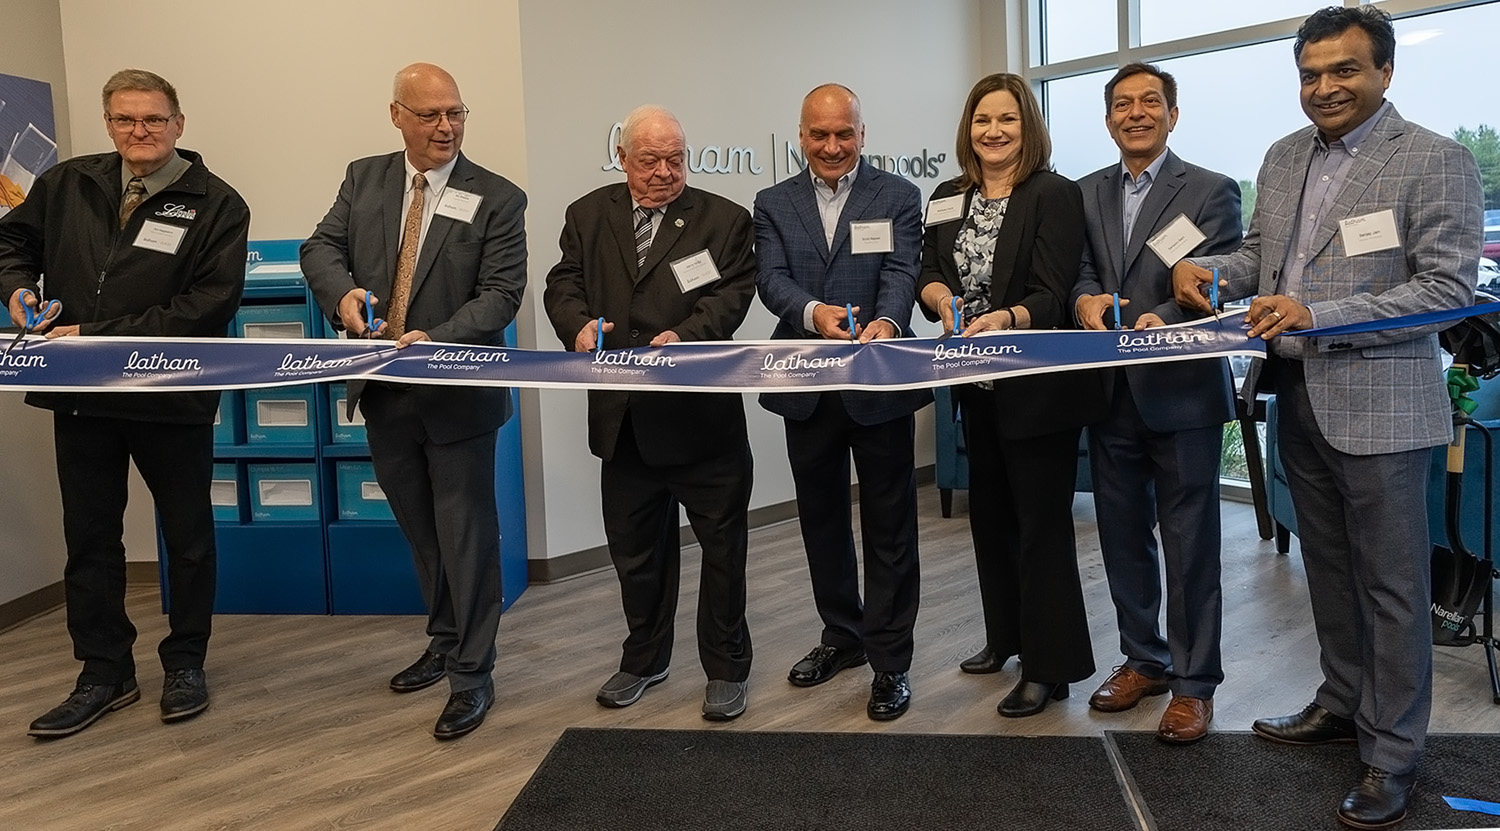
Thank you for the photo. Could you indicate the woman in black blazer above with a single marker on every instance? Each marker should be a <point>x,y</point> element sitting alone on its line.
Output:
<point>1006,237</point>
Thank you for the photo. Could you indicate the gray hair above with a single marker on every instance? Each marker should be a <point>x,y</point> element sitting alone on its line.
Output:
<point>140,80</point>
<point>641,115</point>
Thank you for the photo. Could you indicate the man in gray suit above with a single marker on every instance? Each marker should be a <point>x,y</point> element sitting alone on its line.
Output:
<point>1362,216</point>
<point>1155,458</point>
<point>441,244</point>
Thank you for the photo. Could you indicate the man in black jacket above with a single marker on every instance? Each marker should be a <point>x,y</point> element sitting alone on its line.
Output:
<point>141,242</point>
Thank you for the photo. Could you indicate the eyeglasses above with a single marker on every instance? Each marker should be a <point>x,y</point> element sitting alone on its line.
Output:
<point>126,124</point>
<point>431,119</point>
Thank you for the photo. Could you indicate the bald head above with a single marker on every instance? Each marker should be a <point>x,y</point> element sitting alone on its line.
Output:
<point>657,120</point>
<point>832,97</point>
<point>832,132</point>
<point>428,110</point>
<point>417,75</point>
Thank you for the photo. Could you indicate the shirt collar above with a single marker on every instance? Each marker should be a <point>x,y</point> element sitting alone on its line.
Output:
<point>1150,173</point>
<point>845,181</point>
<point>161,177</point>
<point>437,178</point>
<point>1352,140</point>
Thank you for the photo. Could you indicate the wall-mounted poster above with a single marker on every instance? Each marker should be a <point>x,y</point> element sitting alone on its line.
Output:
<point>28,137</point>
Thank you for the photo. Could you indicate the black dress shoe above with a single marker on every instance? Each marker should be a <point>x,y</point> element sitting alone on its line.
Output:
<point>184,694</point>
<point>823,663</point>
<point>428,670</point>
<point>1031,697</point>
<point>84,705</point>
<point>1378,800</point>
<point>1314,725</point>
<point>984,663</point>
<point>890,696</point>
<point>465,711</point>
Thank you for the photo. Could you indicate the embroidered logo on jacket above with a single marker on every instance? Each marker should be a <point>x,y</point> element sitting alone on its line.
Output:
<point>177,212</point>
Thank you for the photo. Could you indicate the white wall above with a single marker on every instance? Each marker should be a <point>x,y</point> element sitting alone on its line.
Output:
<point>31,547</point>
<point>735,74</point>
<point>280,96</point>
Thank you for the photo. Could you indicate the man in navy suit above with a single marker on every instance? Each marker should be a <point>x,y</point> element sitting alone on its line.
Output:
<point>1155,458</point>
<point>441,243</point>
<point>846,235</point>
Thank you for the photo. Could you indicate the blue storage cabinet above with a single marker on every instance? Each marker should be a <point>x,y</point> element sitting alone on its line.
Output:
<point>282,558</point>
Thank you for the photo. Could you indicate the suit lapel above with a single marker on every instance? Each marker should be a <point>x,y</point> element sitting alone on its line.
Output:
<point>437,230</point>
<point>1110,209</point>
<point>678,215</point>
<point>1378,149</point>
<point>1163,191</point>
<point>621,221</point>
<point>1278,211</point>
<point>805,202</point>
<point>394,190</point>
<point>861,194</point>
<point>1008,241</point>
<point>947,233</point>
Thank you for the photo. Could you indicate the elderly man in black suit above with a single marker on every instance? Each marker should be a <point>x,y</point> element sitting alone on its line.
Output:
<point>661,262</point>
<point>441,244</point>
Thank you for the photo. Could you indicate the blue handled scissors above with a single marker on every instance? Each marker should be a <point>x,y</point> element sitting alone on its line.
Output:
<point>371,321</point>
<point>853,323</point>
<point>957,323</point>
<point>35,316</point>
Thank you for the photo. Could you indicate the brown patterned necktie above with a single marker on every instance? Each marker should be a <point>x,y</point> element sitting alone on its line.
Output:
<point>135,191</point>
<point>406,263</point>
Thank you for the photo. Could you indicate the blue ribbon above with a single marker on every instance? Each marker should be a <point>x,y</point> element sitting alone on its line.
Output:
<point>175,364</point>
<point>1402,322</point>
<point>1472,805</point>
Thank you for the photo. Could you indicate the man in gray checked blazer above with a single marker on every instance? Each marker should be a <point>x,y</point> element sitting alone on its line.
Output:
<point>1363,216</point>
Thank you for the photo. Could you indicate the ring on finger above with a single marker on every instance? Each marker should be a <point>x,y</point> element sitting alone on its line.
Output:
<point>1278,314</point>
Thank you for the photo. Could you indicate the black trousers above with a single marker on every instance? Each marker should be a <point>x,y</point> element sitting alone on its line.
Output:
<point>640,524</point>
<point>1021,517</point>
<point>443,496</point>
<point>819,449</point>
<point>93,466</point>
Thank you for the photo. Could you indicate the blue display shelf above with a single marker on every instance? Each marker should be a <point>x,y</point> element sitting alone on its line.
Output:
<point>371,570</point>
<point>330,566</point>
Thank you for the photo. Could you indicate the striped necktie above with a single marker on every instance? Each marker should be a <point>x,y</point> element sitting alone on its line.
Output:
<point>135,192</point>
<point>642,235</point>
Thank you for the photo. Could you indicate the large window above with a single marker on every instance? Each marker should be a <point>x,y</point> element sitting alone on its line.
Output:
<point>1237,77</point>
<point>1164,20</point>
<point>1237,81</point>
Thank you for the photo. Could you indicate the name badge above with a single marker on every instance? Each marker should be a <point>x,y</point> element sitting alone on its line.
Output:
<point>873,237</point>
<point>1173,242</point>
<point>459,205</point>
<point>946,209</point>
<point>695,271</point>
<point>159,236</point>
<point>1369,233</point>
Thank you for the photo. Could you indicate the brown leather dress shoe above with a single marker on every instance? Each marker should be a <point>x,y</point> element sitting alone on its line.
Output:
<point>1186,720</point>
<point>1124,689</point>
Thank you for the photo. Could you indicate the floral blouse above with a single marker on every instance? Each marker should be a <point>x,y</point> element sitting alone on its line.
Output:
<point>974,252</point>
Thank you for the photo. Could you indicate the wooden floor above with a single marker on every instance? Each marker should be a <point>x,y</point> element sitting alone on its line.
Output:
<point>304,734</point>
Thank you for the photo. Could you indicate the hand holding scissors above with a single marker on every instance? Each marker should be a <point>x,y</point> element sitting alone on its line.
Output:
<point>373,325</point>
<point>31,314</point>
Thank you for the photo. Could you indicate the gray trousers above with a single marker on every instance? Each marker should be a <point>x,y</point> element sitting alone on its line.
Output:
<point>1362,521</point>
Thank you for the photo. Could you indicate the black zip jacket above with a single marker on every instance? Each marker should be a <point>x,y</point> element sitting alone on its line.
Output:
<point>66,237</point>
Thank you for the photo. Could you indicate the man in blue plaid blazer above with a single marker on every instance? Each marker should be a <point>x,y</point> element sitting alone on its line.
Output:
<point>845,235</point>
